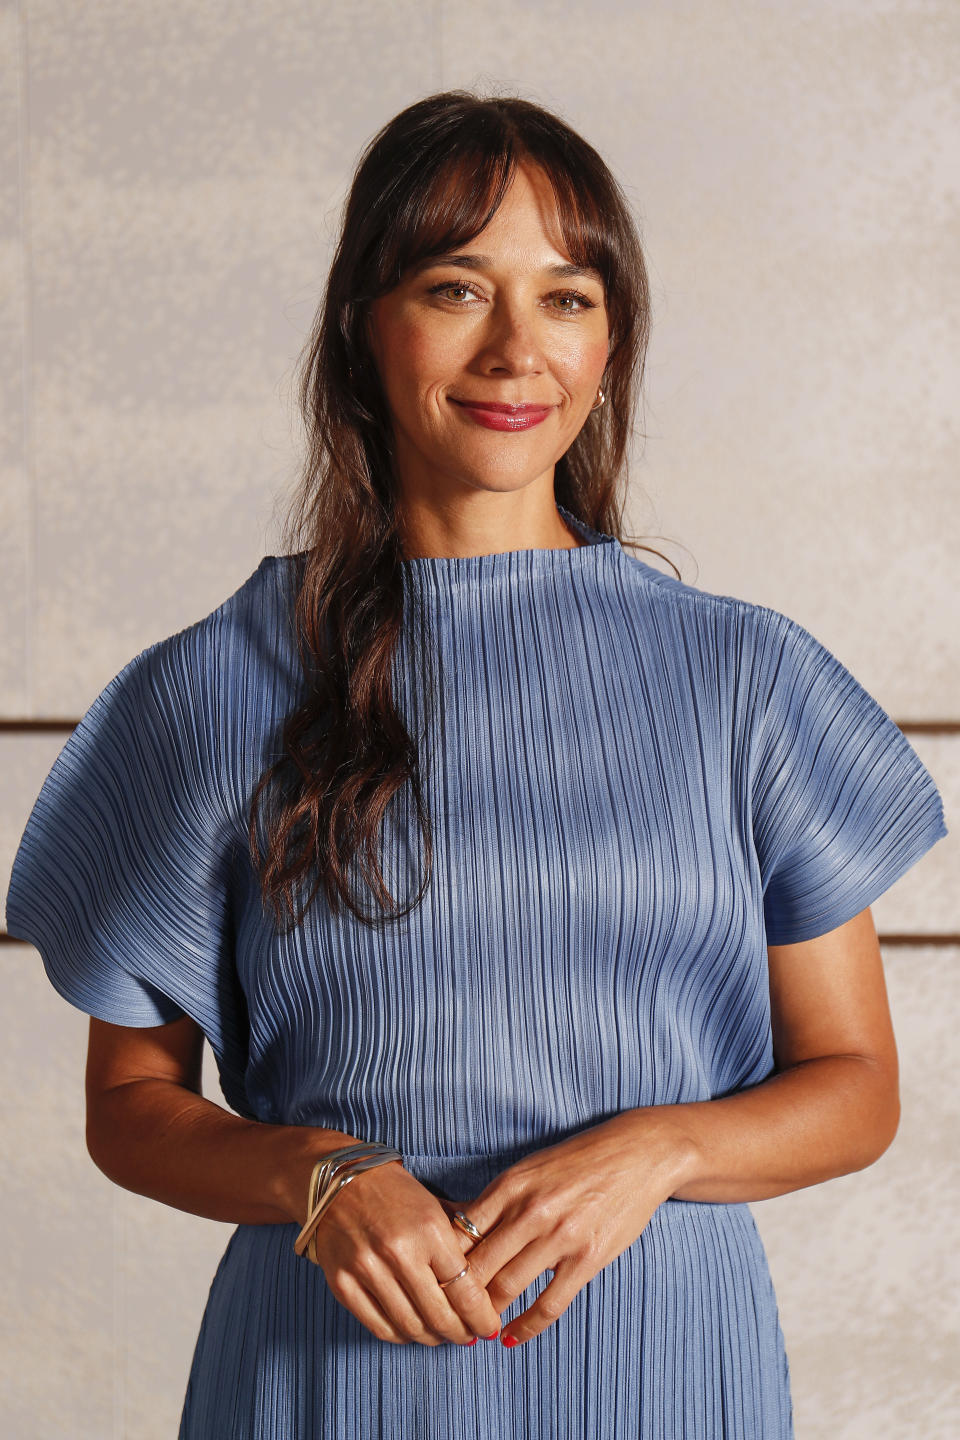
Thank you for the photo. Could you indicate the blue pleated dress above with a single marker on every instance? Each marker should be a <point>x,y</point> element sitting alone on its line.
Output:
<point>635,786</point>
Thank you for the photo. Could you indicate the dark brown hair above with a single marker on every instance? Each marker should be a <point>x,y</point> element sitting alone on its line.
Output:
<point>430,180</point>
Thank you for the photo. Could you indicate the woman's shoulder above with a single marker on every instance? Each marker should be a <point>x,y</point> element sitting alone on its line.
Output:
<point>249,630</point>
<point>685,605</point>
<point>258,600</point>
<point>190,686</point>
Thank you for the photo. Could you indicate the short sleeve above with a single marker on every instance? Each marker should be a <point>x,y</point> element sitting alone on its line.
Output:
<point>842,805</point>
<point>122,875</point>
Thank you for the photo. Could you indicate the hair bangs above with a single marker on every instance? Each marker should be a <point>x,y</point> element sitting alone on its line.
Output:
<point>450,207</point>
<point>456,202</point>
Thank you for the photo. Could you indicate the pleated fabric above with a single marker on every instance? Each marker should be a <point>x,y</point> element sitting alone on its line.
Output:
<point>635,786</point>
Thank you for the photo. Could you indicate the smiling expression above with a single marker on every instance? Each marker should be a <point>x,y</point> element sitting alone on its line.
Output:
<point>507,324</point>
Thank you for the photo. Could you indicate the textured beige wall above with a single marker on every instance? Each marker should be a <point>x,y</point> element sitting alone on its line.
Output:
<point>169,184</point>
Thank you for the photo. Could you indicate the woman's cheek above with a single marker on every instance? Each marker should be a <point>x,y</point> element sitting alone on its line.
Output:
<point>583,363</point>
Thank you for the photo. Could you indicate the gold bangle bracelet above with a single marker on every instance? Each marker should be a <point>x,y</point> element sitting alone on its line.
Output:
<point>329,1174</point>
<point>354,1169</point>
<point>320,1178</point>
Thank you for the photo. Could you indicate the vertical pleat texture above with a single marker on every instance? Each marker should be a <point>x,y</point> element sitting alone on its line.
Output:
<point>634,787</point>
<point>678,1336</point>
<point>125,876</point>
<point>841,806</point>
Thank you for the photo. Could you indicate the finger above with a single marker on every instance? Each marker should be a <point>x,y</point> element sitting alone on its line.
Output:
<point>408,1290</point>
<point>501,1247</point>
<point>365,1307</point>
<point>482,1212</point>
<point>505,1226</point>
<point>465,1241</point>
<point>459,1311</point>
<point>519,1271</point>
<point>568,1280</point>
<point>484,1250</point>
<point>398,1301</point>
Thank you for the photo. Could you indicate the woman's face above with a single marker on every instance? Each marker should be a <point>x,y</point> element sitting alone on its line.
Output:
<point>498,324</point>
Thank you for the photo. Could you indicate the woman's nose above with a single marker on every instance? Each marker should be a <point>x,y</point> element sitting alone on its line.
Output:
<point>511,343</point>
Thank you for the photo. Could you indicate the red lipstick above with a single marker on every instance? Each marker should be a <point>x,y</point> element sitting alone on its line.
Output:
<point>497,416</point>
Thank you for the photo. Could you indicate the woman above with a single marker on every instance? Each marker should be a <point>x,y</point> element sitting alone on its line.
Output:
<point>619,975</point>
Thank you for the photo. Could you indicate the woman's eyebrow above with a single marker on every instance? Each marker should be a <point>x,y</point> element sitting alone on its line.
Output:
<point>566,271</point>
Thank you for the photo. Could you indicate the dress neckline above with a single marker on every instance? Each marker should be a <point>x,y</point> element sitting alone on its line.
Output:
<point>440,571</point>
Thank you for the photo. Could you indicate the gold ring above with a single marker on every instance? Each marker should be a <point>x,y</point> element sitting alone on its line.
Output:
<point>444,1283</point>
<point>467,1226</point>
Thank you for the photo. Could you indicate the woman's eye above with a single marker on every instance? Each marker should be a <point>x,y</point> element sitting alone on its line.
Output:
<point>447,285</point>
<point>574,301</point>
<point>567,302</point>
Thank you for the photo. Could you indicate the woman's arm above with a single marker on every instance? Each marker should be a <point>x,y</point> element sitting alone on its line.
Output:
<point>831,1108</point>
<point>150,1130</point>
<point>382,1247</point>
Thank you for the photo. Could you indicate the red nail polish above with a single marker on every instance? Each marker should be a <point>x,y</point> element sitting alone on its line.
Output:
<point>493,1336</point>
<point>473,1341</point>
<point>509,1340</point>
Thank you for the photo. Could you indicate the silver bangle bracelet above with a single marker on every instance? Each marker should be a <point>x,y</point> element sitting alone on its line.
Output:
<point>319,1180</point>
<point>325,1168</point>
<point>332,1163</point>
<point>341,1178</point>
<point>330,1173</point>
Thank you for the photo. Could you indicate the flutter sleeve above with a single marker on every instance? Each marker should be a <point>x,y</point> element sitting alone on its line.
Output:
<point>122,876</point>
<point>842,805</point>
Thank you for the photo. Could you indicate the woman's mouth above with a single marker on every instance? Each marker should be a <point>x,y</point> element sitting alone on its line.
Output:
<point>497,416</point>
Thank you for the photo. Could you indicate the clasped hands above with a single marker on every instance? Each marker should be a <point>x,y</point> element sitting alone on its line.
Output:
<point>570,1208</point>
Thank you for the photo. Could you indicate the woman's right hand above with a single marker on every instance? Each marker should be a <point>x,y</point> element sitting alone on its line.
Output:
<point>384,1244</point>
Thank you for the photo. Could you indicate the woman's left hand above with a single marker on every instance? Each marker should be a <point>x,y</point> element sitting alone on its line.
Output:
<point>570,1208</point>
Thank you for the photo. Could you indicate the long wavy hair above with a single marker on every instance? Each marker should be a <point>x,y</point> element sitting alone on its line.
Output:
<point>429,181</point>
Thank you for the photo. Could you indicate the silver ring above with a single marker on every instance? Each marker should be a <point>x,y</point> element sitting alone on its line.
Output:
<point>466,1225</point>
<point>444,1283</point>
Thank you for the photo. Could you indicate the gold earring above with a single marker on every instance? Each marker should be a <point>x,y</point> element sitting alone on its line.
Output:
<point>599,400</point>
